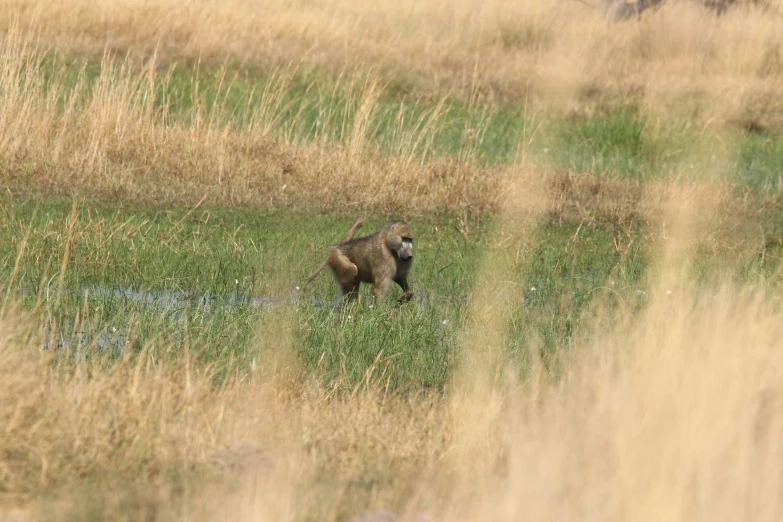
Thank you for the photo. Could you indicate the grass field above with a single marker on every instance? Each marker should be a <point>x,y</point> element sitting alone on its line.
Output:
<point>596,327</point>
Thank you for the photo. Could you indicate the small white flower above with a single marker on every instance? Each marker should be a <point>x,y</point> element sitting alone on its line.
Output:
<point>370,306</point>
<point>444,322</point>
<point>532,288</point>
<point>113,329</point>
<point>297,288</point>
<point>349,317</point>
<point>236,281</point>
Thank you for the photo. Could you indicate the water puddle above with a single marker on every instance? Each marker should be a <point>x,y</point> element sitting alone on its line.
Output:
<point>114,340</point>
<point>178,298</point>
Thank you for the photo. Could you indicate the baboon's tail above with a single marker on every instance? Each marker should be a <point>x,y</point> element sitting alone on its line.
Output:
<point>352,231</point>
<point>317,271</point>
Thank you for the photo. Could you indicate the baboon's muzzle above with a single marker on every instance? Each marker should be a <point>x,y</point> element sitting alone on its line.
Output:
<point>406,252</point>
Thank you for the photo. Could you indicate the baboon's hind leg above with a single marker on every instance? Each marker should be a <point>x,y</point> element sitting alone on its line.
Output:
<point>347,237</point>
<point>346,274</point>
<point>379,289</point>
<point>348,296</point>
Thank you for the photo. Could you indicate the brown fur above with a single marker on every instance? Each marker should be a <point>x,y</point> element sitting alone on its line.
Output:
<point>347,237</point>
<point>377,259</point>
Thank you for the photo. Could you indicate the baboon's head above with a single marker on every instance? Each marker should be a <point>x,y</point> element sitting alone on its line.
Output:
<point>399,239</point>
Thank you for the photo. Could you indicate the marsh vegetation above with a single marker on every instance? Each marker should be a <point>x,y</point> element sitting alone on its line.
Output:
<point>596,326</point>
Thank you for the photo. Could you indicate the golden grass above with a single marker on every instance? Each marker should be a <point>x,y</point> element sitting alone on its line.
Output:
<point>114,141</point>
<point>498,48</point>
<point>679,61</point>
<point>676,420</point>
<point>139,431</point>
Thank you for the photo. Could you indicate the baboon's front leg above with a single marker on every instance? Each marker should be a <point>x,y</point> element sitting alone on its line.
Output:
<point>408,293</point>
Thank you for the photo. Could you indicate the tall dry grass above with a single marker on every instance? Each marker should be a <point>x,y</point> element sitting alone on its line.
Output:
<point>500,48</point>
<point>153,433</point>
<point>112,138</point>
<point>678,419</point>
<point>109,136</point>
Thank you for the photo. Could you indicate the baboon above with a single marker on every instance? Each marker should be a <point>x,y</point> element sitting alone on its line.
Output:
<point>377,259</point>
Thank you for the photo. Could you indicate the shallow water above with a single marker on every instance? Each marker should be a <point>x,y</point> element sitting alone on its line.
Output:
<point>113,340</point>
<point>167,298</point>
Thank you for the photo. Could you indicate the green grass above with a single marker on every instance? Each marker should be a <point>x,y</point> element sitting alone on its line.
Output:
<point>403,348</point>
<point>317,107</point>
<point>201,272</point>
<point>611,138</point>
<point>310,106</point>
<point>171,277</point>
<point>620,141</point>
<point>190,268</point>
<point>760,162</point>
<point>572,268</point>
<point>616,140</point>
